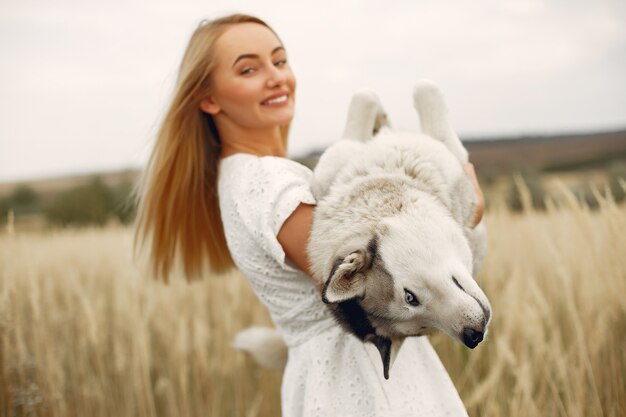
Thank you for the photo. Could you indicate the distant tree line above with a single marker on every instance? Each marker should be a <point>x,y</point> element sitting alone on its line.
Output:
<point>96,203</point>
<point>92,203</point>
<point>531,180</point>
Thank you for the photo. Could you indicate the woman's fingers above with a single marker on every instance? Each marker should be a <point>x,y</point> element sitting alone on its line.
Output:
<point>480,199</point>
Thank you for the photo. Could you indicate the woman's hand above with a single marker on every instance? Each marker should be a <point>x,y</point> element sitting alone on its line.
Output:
<point>480,199</point>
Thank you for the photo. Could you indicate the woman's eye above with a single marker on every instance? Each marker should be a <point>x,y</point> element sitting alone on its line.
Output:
<point>410,298</point>
<point>247,70</point>
<point>281,62</point>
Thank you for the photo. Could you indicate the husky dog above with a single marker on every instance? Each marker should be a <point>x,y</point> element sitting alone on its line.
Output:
<point>391,239</point>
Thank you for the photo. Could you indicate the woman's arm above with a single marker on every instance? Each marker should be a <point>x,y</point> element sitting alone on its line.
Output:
<point>294,234</point>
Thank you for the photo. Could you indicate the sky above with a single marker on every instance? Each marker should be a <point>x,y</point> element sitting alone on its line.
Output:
<point>84,84</point>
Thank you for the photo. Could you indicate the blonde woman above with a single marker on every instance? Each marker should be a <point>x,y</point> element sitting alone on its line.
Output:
<point>219,192</point>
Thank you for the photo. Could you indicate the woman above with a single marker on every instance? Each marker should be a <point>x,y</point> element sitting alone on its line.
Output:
<point>219,191</point>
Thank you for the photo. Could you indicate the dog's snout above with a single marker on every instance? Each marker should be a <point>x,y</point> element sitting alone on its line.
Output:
<point>472,337</point>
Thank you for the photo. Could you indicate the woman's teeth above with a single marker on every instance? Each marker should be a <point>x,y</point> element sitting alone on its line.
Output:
<point>276,100</point>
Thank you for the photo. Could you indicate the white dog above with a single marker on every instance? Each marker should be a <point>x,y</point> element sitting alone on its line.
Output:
<point>391,239</point>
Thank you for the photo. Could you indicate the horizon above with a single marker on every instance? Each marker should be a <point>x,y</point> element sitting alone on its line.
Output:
<point>312,152</point>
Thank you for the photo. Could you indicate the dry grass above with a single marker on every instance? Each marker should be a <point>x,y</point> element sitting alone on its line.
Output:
<point>556,281</point>
<point>86,333</point>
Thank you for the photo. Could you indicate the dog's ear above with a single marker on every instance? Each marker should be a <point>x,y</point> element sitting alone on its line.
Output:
<point>346,280</point>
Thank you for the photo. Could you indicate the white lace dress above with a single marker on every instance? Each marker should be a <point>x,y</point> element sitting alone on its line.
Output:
<point>329,372</point>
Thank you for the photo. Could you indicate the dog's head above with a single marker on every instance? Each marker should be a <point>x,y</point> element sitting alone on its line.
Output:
<point>410,276</point>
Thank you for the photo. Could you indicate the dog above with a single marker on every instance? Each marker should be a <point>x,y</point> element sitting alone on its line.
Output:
<point>391,238</point>
<point>391,241</point>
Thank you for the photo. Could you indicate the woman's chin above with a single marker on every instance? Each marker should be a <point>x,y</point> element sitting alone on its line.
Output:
<point>282,121</point>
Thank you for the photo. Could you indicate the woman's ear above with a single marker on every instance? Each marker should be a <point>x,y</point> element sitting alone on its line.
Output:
<point>208,105</point>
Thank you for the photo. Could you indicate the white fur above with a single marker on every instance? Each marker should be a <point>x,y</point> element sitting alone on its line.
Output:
<point>265,344</point>
<point>410,191</point>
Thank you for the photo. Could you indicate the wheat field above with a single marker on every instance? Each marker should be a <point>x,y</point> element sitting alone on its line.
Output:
<point>85,332</point>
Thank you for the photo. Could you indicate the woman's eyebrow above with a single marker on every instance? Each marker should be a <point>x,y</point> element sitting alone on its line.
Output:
<point>243,56</point>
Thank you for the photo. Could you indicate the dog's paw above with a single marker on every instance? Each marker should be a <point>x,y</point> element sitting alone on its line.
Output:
<point>366,116</point>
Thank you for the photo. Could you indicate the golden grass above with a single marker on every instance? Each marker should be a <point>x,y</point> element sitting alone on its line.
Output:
<point>556,346</point>
<point>84,332</point>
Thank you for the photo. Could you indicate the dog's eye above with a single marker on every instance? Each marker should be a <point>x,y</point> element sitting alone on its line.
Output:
<point>410,298</point>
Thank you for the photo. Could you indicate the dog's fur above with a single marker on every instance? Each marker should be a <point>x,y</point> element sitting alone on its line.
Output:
<point>391,241</point>
<point>392,229</point>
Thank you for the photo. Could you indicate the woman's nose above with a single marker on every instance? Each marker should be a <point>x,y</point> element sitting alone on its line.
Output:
<point>277,76</point>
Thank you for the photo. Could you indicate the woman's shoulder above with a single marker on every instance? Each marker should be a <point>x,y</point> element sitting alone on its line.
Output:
<point>256,196</point>
<point>264,178</point>
<point>264,161</point>
<point>245,167</point>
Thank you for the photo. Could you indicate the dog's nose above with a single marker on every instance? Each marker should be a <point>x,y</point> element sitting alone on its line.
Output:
<point>471,337</point>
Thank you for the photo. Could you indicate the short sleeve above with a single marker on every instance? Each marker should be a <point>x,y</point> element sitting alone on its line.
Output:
<point>265,192</point>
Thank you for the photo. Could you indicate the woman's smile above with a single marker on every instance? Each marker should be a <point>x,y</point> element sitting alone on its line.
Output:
<point>276,100</point>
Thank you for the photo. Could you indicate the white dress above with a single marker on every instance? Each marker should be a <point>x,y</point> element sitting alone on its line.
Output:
<point>329,372</point>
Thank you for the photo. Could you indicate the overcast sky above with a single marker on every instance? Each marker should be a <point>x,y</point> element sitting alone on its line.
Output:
<point>83,84</point>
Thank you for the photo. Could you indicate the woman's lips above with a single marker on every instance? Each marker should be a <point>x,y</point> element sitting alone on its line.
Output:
<point>276,100</point>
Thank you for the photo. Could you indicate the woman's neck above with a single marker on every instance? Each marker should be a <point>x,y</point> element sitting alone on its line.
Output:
<point>260,142</point>
<point>254,149</point>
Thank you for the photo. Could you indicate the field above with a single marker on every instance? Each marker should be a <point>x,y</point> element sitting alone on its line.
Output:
<point>84,330</point>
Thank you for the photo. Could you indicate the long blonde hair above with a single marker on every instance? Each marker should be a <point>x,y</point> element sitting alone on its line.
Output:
<point>178,213</point>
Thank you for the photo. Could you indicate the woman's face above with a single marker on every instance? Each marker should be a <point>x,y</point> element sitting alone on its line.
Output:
<point>252,85</point>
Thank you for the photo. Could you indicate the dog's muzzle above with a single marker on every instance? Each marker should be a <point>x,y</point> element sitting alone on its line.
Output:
<point>472,337</point>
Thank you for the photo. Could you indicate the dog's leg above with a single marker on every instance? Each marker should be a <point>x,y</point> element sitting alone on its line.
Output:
<point>430,104</point>
<point>431,107</point>
<point>366,116</point>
